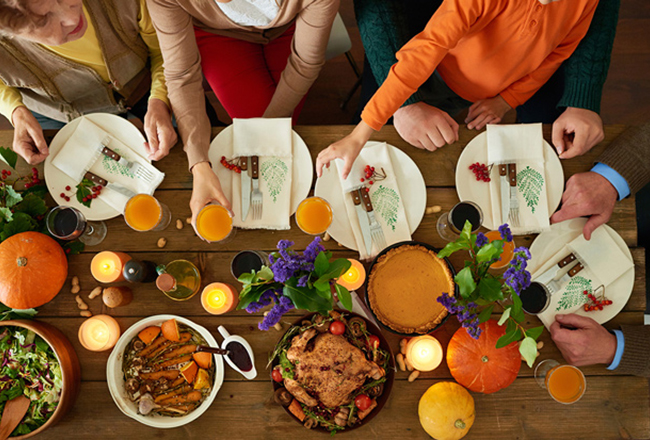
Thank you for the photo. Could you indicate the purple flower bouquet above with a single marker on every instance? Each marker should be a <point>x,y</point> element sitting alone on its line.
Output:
<point>294,280</point>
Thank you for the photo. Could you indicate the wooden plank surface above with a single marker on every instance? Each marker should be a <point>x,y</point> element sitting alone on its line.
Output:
<point>615,406</point>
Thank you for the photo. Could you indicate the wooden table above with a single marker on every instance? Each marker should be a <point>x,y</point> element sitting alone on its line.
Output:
<point>614,406</point>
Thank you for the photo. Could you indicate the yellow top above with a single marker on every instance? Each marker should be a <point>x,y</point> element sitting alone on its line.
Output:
<point>86,51</point>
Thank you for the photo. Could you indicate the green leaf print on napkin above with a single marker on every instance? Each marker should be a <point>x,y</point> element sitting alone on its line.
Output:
<point>574,293</point>
<point>385,201</point>
<point>113,167</point>
<point>530,183</point>
<point>274,173</point>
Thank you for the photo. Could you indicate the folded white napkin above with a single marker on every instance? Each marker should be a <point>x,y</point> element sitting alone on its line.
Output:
<point>385,196</point>
<point>270,140</point>
<point>603,262</point>
<point>81,153</point>
<point>523,145</point>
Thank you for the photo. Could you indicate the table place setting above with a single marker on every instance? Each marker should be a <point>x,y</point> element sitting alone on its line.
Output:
<point>583,277</point>
<point>265,171</point>
<point>524,181</point>
<point>92,152</point>
<point>381,202</point>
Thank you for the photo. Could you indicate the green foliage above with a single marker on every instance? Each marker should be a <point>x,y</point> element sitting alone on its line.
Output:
<point>9,156</point>
<point>7,313</point>
<point>84,190</point>
<point>11,197</point>
<point>485,313</point>
<point>530,183</point>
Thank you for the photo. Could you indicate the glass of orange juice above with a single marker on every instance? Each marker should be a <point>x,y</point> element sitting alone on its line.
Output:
<point>508,250</point>
<point>214,223</point>
<point>314,215</point>
<point>144,213</point>
<point>565,383</point>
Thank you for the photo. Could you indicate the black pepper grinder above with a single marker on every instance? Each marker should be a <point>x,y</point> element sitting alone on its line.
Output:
<point>140,271</point>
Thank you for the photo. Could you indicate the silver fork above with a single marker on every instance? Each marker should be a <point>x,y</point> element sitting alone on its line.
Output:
<point>514,201</point>
<point>256,195</point>
<point>134,167</point>
<point>376,233</point>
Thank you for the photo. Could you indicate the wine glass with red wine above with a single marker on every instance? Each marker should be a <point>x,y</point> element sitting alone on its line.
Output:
<point>451,223</point>
<point>68,223</point>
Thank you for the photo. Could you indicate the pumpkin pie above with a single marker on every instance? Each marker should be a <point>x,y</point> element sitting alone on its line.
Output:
<point>404,286</point>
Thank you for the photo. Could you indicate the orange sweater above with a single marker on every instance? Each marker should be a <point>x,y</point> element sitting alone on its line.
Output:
<point>484,48</point>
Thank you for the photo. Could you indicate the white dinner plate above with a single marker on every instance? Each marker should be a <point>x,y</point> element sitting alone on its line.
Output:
<point>302,173</point>
<point>549,243</point>
<point>469,188</point>
<point>411,187</point>
<point>57,180</point>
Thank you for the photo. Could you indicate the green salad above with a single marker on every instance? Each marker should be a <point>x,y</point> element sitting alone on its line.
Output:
<point>29,367</point>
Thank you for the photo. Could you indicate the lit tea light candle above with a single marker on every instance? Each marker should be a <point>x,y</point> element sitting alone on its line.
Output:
<point>424,353</point>
<point>354,277</point>
<point>99,333</point>
<point>107,266</point>
<point>219,298</point>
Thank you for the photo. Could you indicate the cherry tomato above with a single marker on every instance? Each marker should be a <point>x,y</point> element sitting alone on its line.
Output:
<point>373,341</point>
<point>277,375</point>
<point>363,402</point>
<point>337,328</point>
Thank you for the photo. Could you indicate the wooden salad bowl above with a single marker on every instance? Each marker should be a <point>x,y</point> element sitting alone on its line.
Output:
<point>70,368</point>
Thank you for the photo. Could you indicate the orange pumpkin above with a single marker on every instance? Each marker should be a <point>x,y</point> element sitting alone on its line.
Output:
<point>477,364</point>
<point>33,268</point>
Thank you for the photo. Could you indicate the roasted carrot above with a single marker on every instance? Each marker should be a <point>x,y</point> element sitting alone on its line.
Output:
<point>177,382</point>
<point>182,390</point>
<point>149,334</point>
<point>173,361</point>
<point>296,410</point>
<point>192,396</point>
<point>153,346</point>
<point>183,349</point>
<point>167,374</point>
<point>185,337</point>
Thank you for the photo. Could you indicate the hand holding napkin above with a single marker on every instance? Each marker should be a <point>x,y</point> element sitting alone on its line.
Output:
<point>384,195</point>
<point>523,145</point>
<point>81,153</point>
<point>603,262</point>
<point>272,141</point>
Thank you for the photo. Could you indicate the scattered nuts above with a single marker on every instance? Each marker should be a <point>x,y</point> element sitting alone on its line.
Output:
<point>402,346</point>
<point>95,292</point>
<point>400,361</point>
<point>80,303</point>
<point>408,364</point>
<point>326,236</point>
<point>414,375</point>
<point>117,296</point>
<point>162,241</point>
<point>75,280</point>
<point>179,224</point>
<point>188,220</point>
<point>278,326</point>
<point>75,289</point>
<point>433,209</point>
<point>339,244</point>
<point>540,345</point>
<point>86,313</point>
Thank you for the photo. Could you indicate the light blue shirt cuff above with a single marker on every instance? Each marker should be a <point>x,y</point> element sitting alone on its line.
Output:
<point>614,178</point>
<point>620,346</point>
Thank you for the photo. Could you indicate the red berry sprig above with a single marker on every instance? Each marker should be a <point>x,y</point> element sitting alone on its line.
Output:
<point>596,304</point>
<point>231,165</point>
<point>481,171</point>
<point>370,176</point>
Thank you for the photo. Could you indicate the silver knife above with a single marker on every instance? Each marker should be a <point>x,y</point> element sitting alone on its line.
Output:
<point>556,284</point>
<point>505,192</point>
<point>245,187</point>
<point>114,186</point>
<point>364,222</point>
<point>553,271</point>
